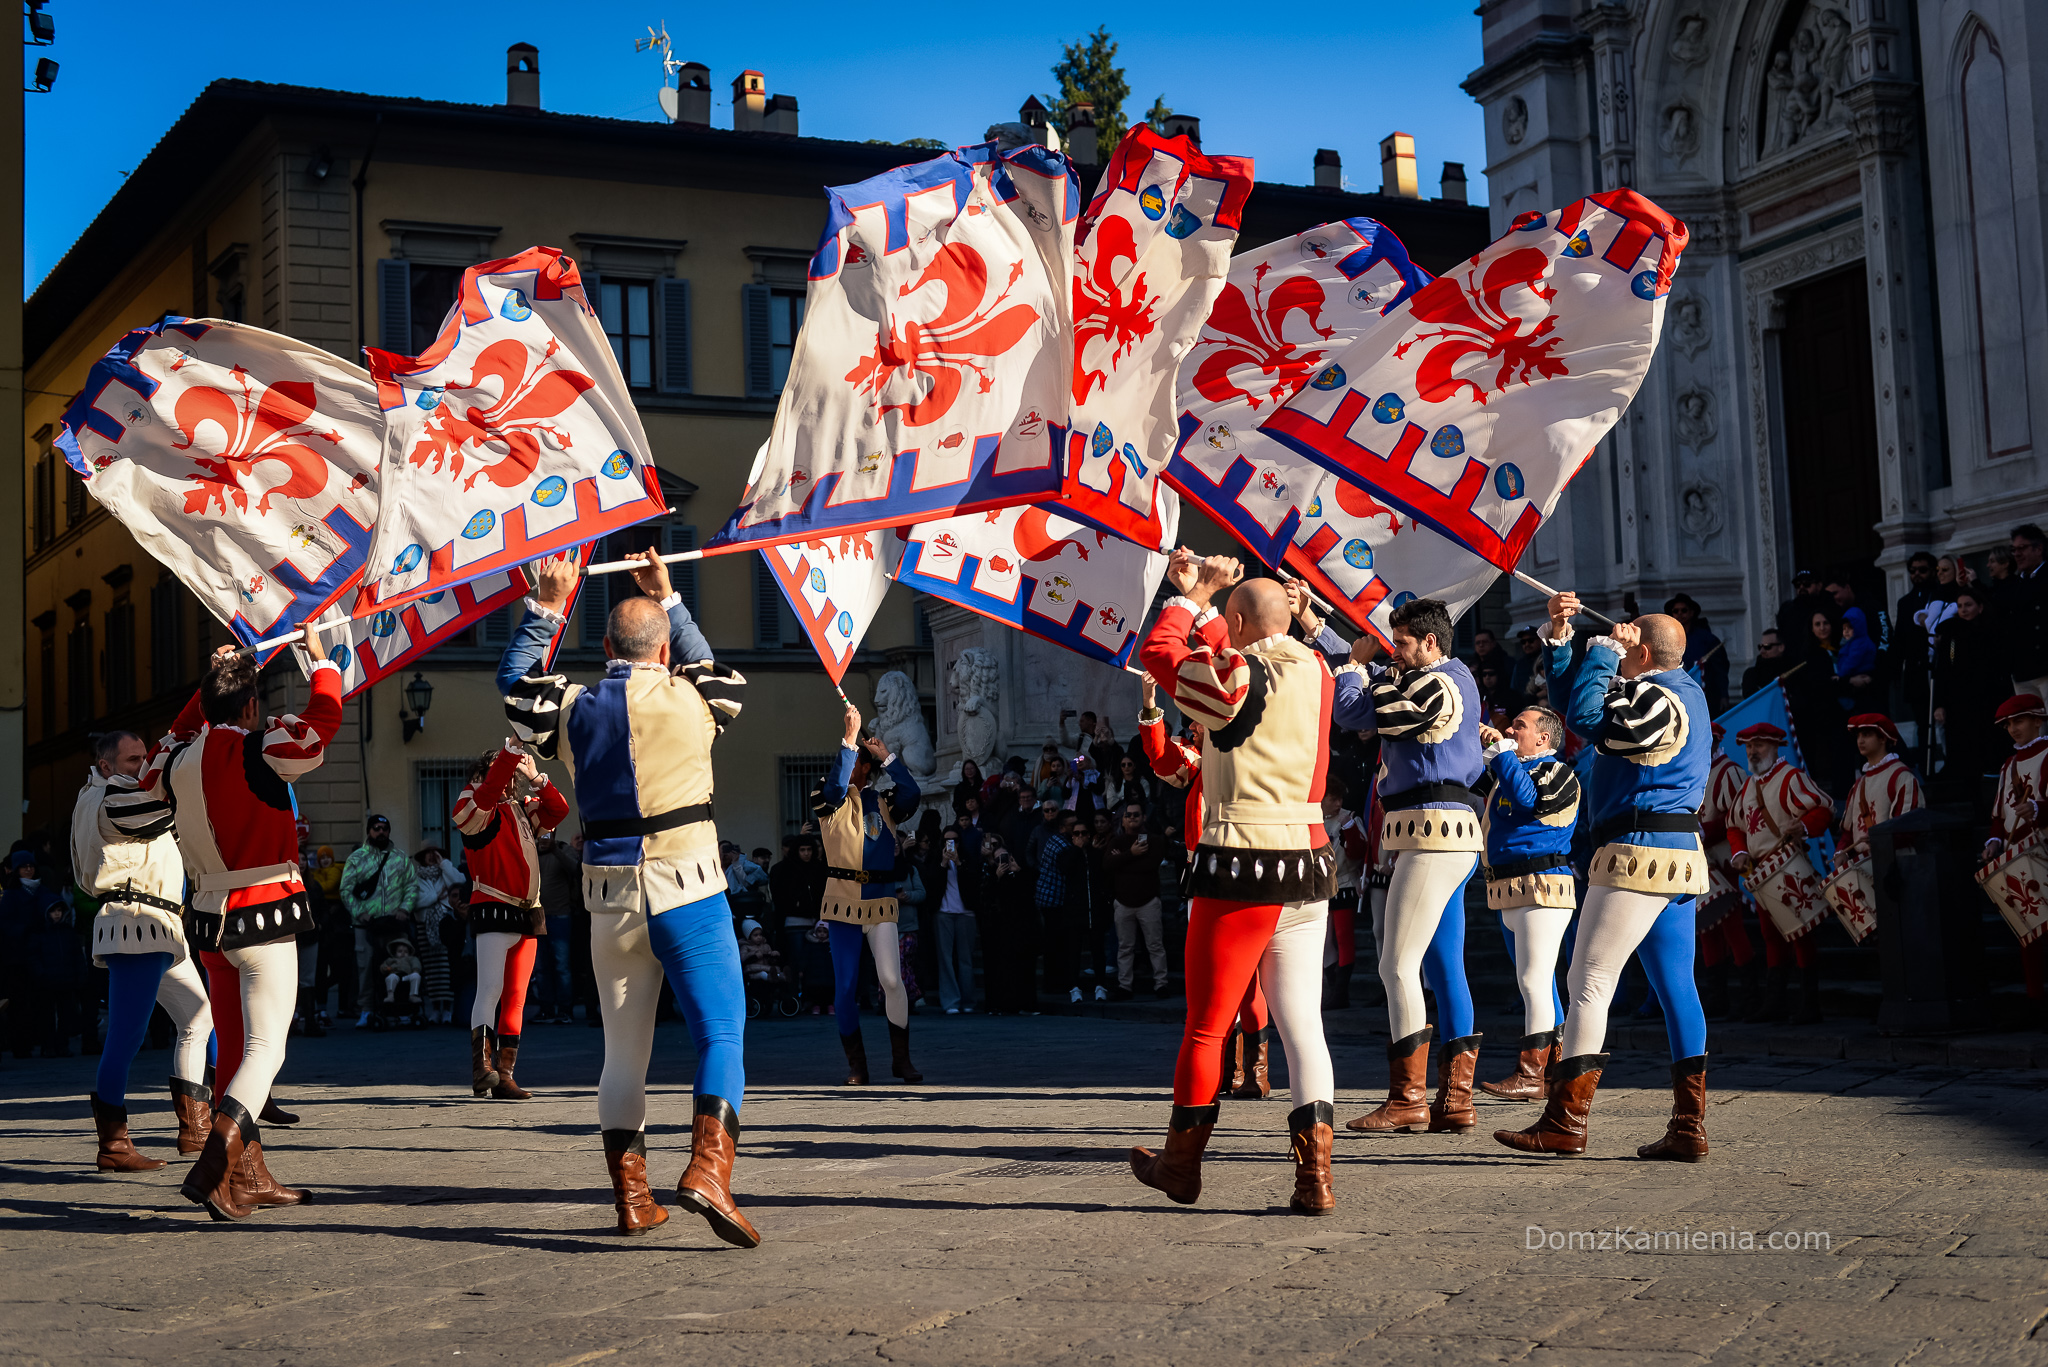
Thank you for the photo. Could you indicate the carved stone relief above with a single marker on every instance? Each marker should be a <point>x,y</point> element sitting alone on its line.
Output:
<point>1699,509</point>
<point>1695,424</point>
<point>1804,80</point>
<point>1678,132</point>
<point>1514,121</point>
<point>1686,324</point>
<point>1688,46</point>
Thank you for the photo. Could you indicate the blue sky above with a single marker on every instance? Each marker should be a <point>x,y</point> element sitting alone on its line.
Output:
<point>1338,78</point>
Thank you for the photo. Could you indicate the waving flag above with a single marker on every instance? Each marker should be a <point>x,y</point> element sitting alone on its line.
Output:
<point>512,436</point>
<point>1285,310</point>
<point>930,373</point>
<point>245,461</point>
<point>1042,572</point>
<point>1348,547</point>
<point>376,647</point>
<point>1149,262</point>
<point>834,584</point>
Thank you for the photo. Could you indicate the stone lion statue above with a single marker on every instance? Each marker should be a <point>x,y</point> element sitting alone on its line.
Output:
<point>900,725</point>
<point>975,686</point>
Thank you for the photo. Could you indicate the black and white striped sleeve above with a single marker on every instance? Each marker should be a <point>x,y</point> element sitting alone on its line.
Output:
<point>534,707</point>
<point>1557,793</point>
<point>1423,707</point>
<point>721,686</point>
<point>1642,722</point>
<point>129,813</point>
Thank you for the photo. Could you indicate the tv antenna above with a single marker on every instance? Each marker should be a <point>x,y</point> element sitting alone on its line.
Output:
<point>658,41</point>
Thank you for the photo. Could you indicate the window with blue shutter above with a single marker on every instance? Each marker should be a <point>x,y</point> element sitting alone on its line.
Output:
<point>394,306</point>
<point>672,349</point>
<point>775,622</point>
<point>595,603</point>
<point>683,574</point>
<point>757,303</point>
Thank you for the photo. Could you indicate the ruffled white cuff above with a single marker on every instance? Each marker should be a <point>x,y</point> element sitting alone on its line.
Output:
<point>1542,634</point>
<point>1181,601</point>
<point>1504,746</point>
<point>546,614</point>
<point>318,664</point>
<point>1607,643</point>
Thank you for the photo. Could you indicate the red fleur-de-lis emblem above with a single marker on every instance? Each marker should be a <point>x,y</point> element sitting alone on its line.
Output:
<point>512,426</point>
<point>1118,318</point>
<point>942,353</point>
<point>273,426</point>
<point>1476,323</point>
<point>1252,332</point>
<point>2025,895</point>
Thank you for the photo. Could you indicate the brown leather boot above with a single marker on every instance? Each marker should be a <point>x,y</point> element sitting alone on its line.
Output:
<point>1255,1086</point>
<point>856,1059</point>
<point>1562,1126</point>
<point>1177,1168</point>
<point>625,1156</point>
<point>254,1186</point>
<point>1232,1076</point>
<point>899,1057</point>
<point>1526,1082</point>
<point>1407,1103</point>
<point>482,1076</point>
<point>508,1054</point>
<point>1452,1109</point>
<point>194,1105</point>
<point>274,1114</point>
<point>1310,1130</point>
<point>706,1186</point>
<point>1685,1137</point>
<point>211,1181</point>
<point>116,1153</point>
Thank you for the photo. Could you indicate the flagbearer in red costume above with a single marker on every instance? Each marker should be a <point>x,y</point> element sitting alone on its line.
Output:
<point>2016,812</point>
<point>1263,869</point>
<point>1777,805</point>
<point>1723,938</point>
<point>508,801</point>
<point>228,773</point>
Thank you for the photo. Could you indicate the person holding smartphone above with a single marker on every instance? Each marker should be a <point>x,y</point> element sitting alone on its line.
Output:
<point>954,876</point>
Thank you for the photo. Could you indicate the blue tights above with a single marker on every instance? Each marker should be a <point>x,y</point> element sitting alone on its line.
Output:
<point>1443,969</point>
<point>1666,956</point>
<point>132,980</point>
<point>702,960</point>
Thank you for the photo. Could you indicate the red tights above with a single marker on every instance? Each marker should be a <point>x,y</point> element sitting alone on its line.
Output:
<point>1225,942</point>
<point>1727,941</point>
<point>1344,929</point>
<point>1777,949</point>
<point>224,994</point>
<point>512,999</point>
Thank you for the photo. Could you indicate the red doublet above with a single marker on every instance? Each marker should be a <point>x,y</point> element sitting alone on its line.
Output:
<point>497,833</point>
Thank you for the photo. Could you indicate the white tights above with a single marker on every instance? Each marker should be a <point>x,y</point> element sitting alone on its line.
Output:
<point>1612,924</point>
<point>182,994</point>
<point>629,980</point>
<point>1539,934</point>
<point>491,948</point>
<point>1291,973</point>
<point>1423,884</point>
<point>270,991</point>
<point>888,955</point>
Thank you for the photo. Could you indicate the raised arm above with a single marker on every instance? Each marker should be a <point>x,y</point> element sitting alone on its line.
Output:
<point>295,745</point>
<point>1205,676</point>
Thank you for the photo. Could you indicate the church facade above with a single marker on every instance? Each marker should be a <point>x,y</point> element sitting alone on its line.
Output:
<point>1854,365</point>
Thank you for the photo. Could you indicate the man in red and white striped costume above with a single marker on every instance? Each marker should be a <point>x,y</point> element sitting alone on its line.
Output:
<point>1778,804</point>
<point>2017,810</point>
<point>1725,940</point>
<point>1884,788</point>
<point>227,771</point>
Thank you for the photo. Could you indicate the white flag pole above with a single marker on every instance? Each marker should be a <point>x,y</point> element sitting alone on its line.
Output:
<point>614,566</point>
<point>1549,592</point>
<point>292,637</point>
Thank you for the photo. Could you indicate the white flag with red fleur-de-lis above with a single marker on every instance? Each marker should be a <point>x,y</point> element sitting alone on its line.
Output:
<point>511,437</point>
<point>243,460</point>
<point>1464,413</point>
<point>930,373</point>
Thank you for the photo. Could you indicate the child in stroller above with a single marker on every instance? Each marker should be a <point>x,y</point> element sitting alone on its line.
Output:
<point>768,983</point>
<point>401,1002</point>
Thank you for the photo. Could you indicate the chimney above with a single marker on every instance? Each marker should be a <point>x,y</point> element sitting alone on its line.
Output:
<point>1454,182</point>
<point>1397,167</point>
<point>749,101</point>
<point>1329,169</point>
<point>1178,124</point>
<point>522,76</point>
<point>781,115</point>
<point>693,94</point>
<point>1081,133</point>
<point>1033,114</point>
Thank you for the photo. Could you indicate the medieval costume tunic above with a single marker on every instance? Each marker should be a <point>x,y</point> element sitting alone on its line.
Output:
<point>857,833</point>
<point>230,791</point>
<point>497,827</point>
<point>1532,810</point>
<point>1652,736</point>
<point>1772,810</point>
<point>1428,724</point>
<point>1260,883</point>
<point>139,938</point>
<point>638,746</point>
<point>1884,789</point>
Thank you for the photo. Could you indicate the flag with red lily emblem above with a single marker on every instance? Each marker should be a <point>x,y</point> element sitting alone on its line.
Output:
<point>929,375</point>
<point>1037,570</point>
<point>1349,547</point>
<point>245,461</point>
<point>834,584</point>
<point>371,648</point>
<point>1150,259</point>
<point>511,437</point>
<point>1465,412</point>
<point>1286,309</point>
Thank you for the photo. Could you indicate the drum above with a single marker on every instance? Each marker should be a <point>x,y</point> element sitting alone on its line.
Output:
<point>1784,885</point>
<point>2016,880</point>
<point>1851,891</point>
<point>1723,896</point>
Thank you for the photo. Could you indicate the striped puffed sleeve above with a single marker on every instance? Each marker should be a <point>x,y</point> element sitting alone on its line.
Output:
<point>130,812</point>
<point>721,686</point>
<point>1189,655</point>
<point>1642,722</point>
<point>1557,793</point>
<point>534,706</point>
<point>1423,706</point>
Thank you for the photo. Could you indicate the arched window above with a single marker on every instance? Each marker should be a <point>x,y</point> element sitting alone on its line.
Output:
<point>2001,340</point>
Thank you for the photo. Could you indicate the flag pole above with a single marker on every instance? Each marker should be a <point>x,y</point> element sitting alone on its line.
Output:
<point>292,637</point>
<point>614,566</point>
<point>1549,592</point>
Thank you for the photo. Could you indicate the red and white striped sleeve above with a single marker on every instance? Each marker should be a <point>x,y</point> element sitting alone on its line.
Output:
<point>1804,803</point>
<point>1207,677</point>
<point>1905,794</point>
<point>294,745</point>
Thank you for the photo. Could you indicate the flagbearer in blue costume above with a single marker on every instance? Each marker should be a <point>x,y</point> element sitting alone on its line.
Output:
<point>1653,738</point>
<point>1532,808</point>
<point>858,831</point>
<point>638,746</point>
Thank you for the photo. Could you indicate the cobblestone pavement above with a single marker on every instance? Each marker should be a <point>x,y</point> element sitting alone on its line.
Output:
<point>987,1216</point>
